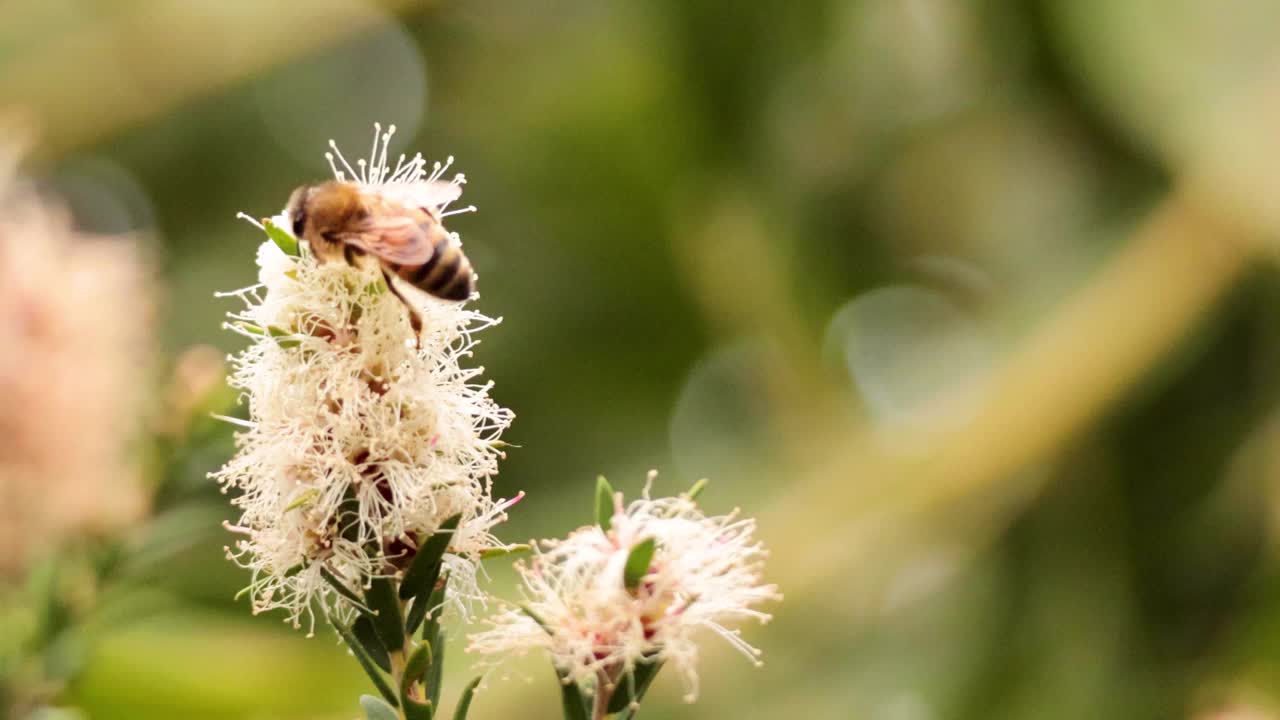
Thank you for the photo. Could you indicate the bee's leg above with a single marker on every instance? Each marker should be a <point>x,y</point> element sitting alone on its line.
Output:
<point>415,319</point>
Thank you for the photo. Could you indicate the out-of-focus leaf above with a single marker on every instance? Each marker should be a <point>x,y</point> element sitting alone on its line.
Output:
<point>638,563</point>
<point>414,710</point>
<point>498,552</point>
<point>56,713</point>
<point>604,503</point>
<point>416,668</point>
<point>573,702</point>
<point>464,702</point>
<point>376,709</point>
<point>366,663</point>
<point>304,498</point>
<point>535,617</point>
<point>287,243</point>
<point>697,488</point>
<point>435,675</point>
<point>633,686</point>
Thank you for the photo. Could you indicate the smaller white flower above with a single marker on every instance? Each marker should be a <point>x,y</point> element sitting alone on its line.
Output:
<point>705,574</point>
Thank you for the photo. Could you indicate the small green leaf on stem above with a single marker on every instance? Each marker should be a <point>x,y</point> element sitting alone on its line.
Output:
<point>364,631</point>
<point>416,668</point>
<point>287,243</point>
<point>604,503</point>
<point>388,621</point>
<point>572,700</point>
<point>422,574</point>
<point>435,677</point>
<point>497,552</point>
<point>342,589</point>
<point>366,663</point>
<point>638,562</point>
<point>423,605</point>
<point>634,685</point>
<point>414,710</point>
<point>464,702</point>
<point>304,498</point>
<point>697,488</point>
<point>535,617</point>
<point>376,709</point>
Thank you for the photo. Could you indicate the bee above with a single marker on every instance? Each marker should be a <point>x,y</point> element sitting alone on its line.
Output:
<point>397,224</point>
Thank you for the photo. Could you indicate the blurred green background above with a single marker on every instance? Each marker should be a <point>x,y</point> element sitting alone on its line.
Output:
<point>971,302</point>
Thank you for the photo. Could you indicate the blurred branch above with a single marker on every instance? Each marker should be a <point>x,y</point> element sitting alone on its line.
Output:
<point>1068,373</point>
<point>91,84</point>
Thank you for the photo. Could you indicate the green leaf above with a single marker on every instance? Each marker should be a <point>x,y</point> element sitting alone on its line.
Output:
<point>464,702</point>
<point>497,552</point>
<point>414,710</point>
<point>536,618</point>
<point>284,338</point>
<point>572,700</point>
<point>387,619</point>
<point>421,578</point>
<point>364,631</point>
<point>272,330</point>
<point>366,663</point>
<point>634,685</point>
<point>422,605</point>
<point>435,677</point>
<point>697,488</point>
<point>420,664</point>
<point>376,709</point>
<point>287,243</point>
<point>604,503</point>
<point>638,562</point>
<point>416,668</point>
<point>342,589</point>
<point>304,498</point>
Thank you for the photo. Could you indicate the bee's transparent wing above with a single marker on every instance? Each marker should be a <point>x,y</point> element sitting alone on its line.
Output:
<point>430,195</point>
<point>394,238</point>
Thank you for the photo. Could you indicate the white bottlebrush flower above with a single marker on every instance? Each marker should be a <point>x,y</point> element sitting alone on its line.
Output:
<point>75,321</point>
<point>360,443</point>
<point>705,574</point>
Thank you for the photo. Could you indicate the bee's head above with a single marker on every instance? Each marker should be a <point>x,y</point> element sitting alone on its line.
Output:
<point>296,209</point>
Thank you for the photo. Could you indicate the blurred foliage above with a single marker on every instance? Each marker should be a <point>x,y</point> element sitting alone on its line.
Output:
<point>815,251</point>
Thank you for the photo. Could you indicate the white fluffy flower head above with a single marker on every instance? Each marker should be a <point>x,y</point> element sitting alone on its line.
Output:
<point>360,443</point>
<point>705,574</point>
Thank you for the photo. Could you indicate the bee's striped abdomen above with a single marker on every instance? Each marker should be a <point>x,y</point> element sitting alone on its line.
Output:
<point>447,274</point>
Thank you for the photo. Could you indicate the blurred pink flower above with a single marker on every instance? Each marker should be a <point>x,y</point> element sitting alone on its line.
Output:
<point>75,321</point>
